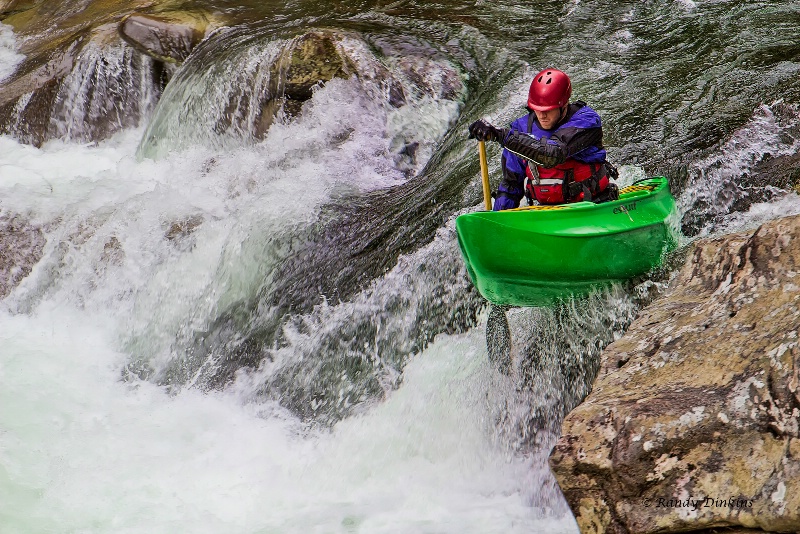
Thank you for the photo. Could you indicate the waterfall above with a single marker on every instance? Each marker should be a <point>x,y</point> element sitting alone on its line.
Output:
<point>10,58</point>
<point>234,86</point>
<point>110,89</point>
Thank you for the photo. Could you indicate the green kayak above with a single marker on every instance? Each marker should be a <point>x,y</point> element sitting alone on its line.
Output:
<point>535,255</point>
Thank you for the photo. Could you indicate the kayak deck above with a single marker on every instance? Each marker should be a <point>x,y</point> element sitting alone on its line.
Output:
<point>532,256</point>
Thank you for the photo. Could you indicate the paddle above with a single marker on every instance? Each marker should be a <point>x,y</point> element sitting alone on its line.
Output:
<point>498,334</point>
<point>487,199</point>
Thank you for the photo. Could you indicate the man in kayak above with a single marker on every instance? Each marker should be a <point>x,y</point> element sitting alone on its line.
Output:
<point>558,146</point>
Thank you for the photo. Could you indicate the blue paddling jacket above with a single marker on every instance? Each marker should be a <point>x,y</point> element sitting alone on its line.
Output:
<point>565,164</point>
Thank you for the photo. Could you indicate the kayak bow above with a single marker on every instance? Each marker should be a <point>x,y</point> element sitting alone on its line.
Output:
<point>535,255</point>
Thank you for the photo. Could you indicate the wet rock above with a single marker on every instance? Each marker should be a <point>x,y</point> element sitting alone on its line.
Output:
<point>113,253</point>
<point>11,7</point>
<point>319,56</point>
<point>426,69</point>
<point>184,227</point>
<point>180,232</point>
<point>85,92</point>
<point>65,46</point>
<point>410,151</point>
<point>781,171</point>
<point>21,245</point>
<point>313,58</point>
<point>28,117</point>
<point>169,37</point>
<point>692,424</point>
<point>769,178</point>
<point>432,79</point>
<point>27,98</point>
<point>309,60</point>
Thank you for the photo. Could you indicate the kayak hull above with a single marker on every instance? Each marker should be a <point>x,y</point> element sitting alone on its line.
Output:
<point>536,255</point>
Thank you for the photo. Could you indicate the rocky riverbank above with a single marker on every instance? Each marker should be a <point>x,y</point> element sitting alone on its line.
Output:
<point>692,424</point>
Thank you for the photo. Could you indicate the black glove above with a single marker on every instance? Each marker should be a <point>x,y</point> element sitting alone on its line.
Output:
<point>483,131</point>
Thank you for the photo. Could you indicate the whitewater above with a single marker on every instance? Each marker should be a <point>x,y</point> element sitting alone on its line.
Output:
<point>86,447</point>
<point>84,450</point>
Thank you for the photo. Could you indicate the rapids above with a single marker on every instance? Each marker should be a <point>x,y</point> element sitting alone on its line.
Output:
<point>235,328</point>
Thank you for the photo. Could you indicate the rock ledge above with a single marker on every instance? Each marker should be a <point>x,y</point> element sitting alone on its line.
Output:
<point>692,424</point>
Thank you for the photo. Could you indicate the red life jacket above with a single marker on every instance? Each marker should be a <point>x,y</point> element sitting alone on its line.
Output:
<point>571,181</point>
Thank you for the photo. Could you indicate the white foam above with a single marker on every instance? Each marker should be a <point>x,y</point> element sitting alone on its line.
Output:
<point>713,180</point>
<point>10,57</point>
<point>83,451</point>
<point>760,213</point>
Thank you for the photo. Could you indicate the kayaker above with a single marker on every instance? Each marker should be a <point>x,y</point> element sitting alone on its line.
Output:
<point>558,146</point>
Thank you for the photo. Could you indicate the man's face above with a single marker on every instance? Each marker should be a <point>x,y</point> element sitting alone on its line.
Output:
<point>548,119</point>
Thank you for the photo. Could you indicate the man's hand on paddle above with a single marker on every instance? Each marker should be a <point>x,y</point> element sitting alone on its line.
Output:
<point>483,131</point>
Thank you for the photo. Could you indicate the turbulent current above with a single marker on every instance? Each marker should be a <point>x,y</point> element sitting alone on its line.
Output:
<point>258,321</point>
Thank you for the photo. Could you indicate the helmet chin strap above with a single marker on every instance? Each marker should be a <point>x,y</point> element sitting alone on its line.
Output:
<point>561,112</point>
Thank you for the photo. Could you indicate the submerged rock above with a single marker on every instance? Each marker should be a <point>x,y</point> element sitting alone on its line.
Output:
<point>21,245</point>
<point>693,420</point>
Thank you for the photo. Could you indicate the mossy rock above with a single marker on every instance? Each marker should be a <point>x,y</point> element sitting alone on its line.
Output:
<point>314,59</point>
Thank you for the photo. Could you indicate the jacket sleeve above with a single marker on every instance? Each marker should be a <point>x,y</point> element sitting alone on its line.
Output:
<point>565,143</point>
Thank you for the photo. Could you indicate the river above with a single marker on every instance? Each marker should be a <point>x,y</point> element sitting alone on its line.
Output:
<point>237,330</point>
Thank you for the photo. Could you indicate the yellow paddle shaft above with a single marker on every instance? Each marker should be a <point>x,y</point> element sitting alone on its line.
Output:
<point>487,198</point>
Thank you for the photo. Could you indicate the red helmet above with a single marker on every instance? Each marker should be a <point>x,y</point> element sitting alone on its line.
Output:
<point>550,89</point>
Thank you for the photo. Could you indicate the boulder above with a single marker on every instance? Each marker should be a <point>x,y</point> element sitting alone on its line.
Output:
<point>692,424</point>
<point>52,38</point>
<point>319,56</point>
<point>43,25</point>
<point>166,36</point>
<point>307,60</point>
<point>49,97</point>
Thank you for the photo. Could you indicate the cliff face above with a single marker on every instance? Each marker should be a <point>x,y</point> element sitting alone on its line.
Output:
<point>693,420</point>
